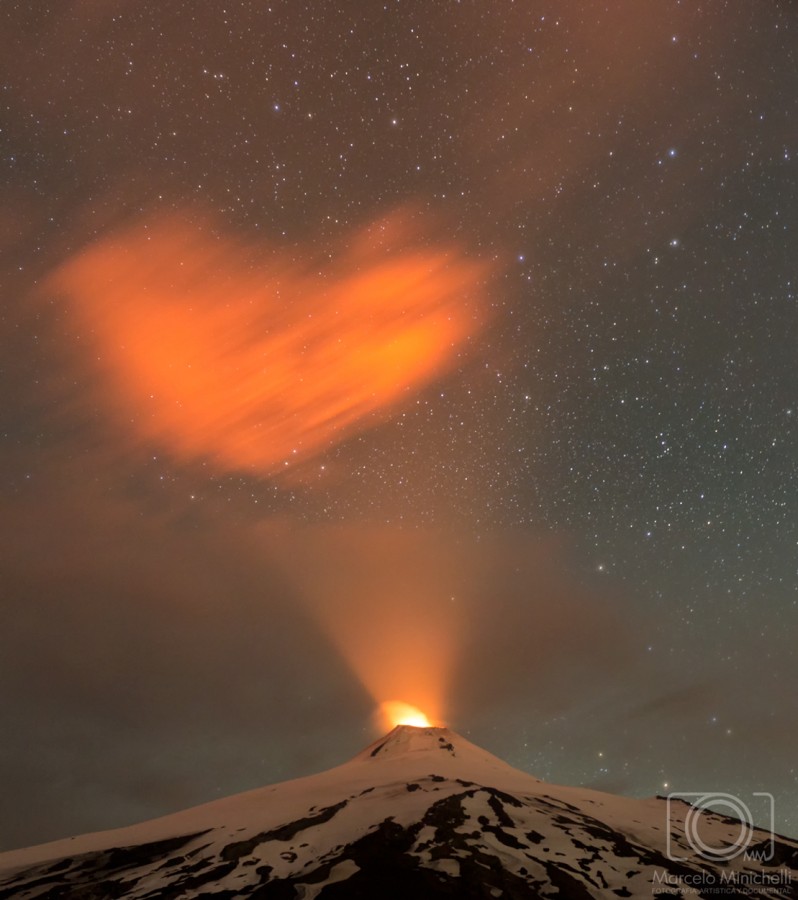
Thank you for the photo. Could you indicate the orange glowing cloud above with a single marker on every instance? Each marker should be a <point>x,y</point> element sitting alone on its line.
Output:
<point>239,354</point>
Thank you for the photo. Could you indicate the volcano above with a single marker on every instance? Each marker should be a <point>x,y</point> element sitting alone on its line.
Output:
<point>422,813</point>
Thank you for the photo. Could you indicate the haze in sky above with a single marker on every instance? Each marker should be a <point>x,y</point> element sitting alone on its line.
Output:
<point>434,352</point>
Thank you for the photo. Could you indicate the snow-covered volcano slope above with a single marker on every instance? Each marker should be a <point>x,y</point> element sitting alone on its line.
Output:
<point>422,813</point>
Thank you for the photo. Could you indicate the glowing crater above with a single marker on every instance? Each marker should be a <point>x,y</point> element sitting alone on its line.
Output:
<point>396,712</point>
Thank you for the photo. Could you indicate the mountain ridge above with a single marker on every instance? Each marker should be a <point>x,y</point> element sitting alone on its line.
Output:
<point>421,812</point>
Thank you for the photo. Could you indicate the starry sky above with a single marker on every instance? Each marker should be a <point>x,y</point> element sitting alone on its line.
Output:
<point>442,350</point>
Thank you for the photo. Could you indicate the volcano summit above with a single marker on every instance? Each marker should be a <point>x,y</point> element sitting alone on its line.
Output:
<point>421,813</point>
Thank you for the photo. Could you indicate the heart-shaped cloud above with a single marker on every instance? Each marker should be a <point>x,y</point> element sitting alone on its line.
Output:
<point>255,357</point>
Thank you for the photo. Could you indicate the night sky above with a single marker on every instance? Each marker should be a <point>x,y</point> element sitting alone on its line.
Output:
<point>423,350</point>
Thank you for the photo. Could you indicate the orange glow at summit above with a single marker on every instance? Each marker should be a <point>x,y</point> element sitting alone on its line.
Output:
<point>395,712</point>
<point>383,597</point>
<point>253,358</point>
